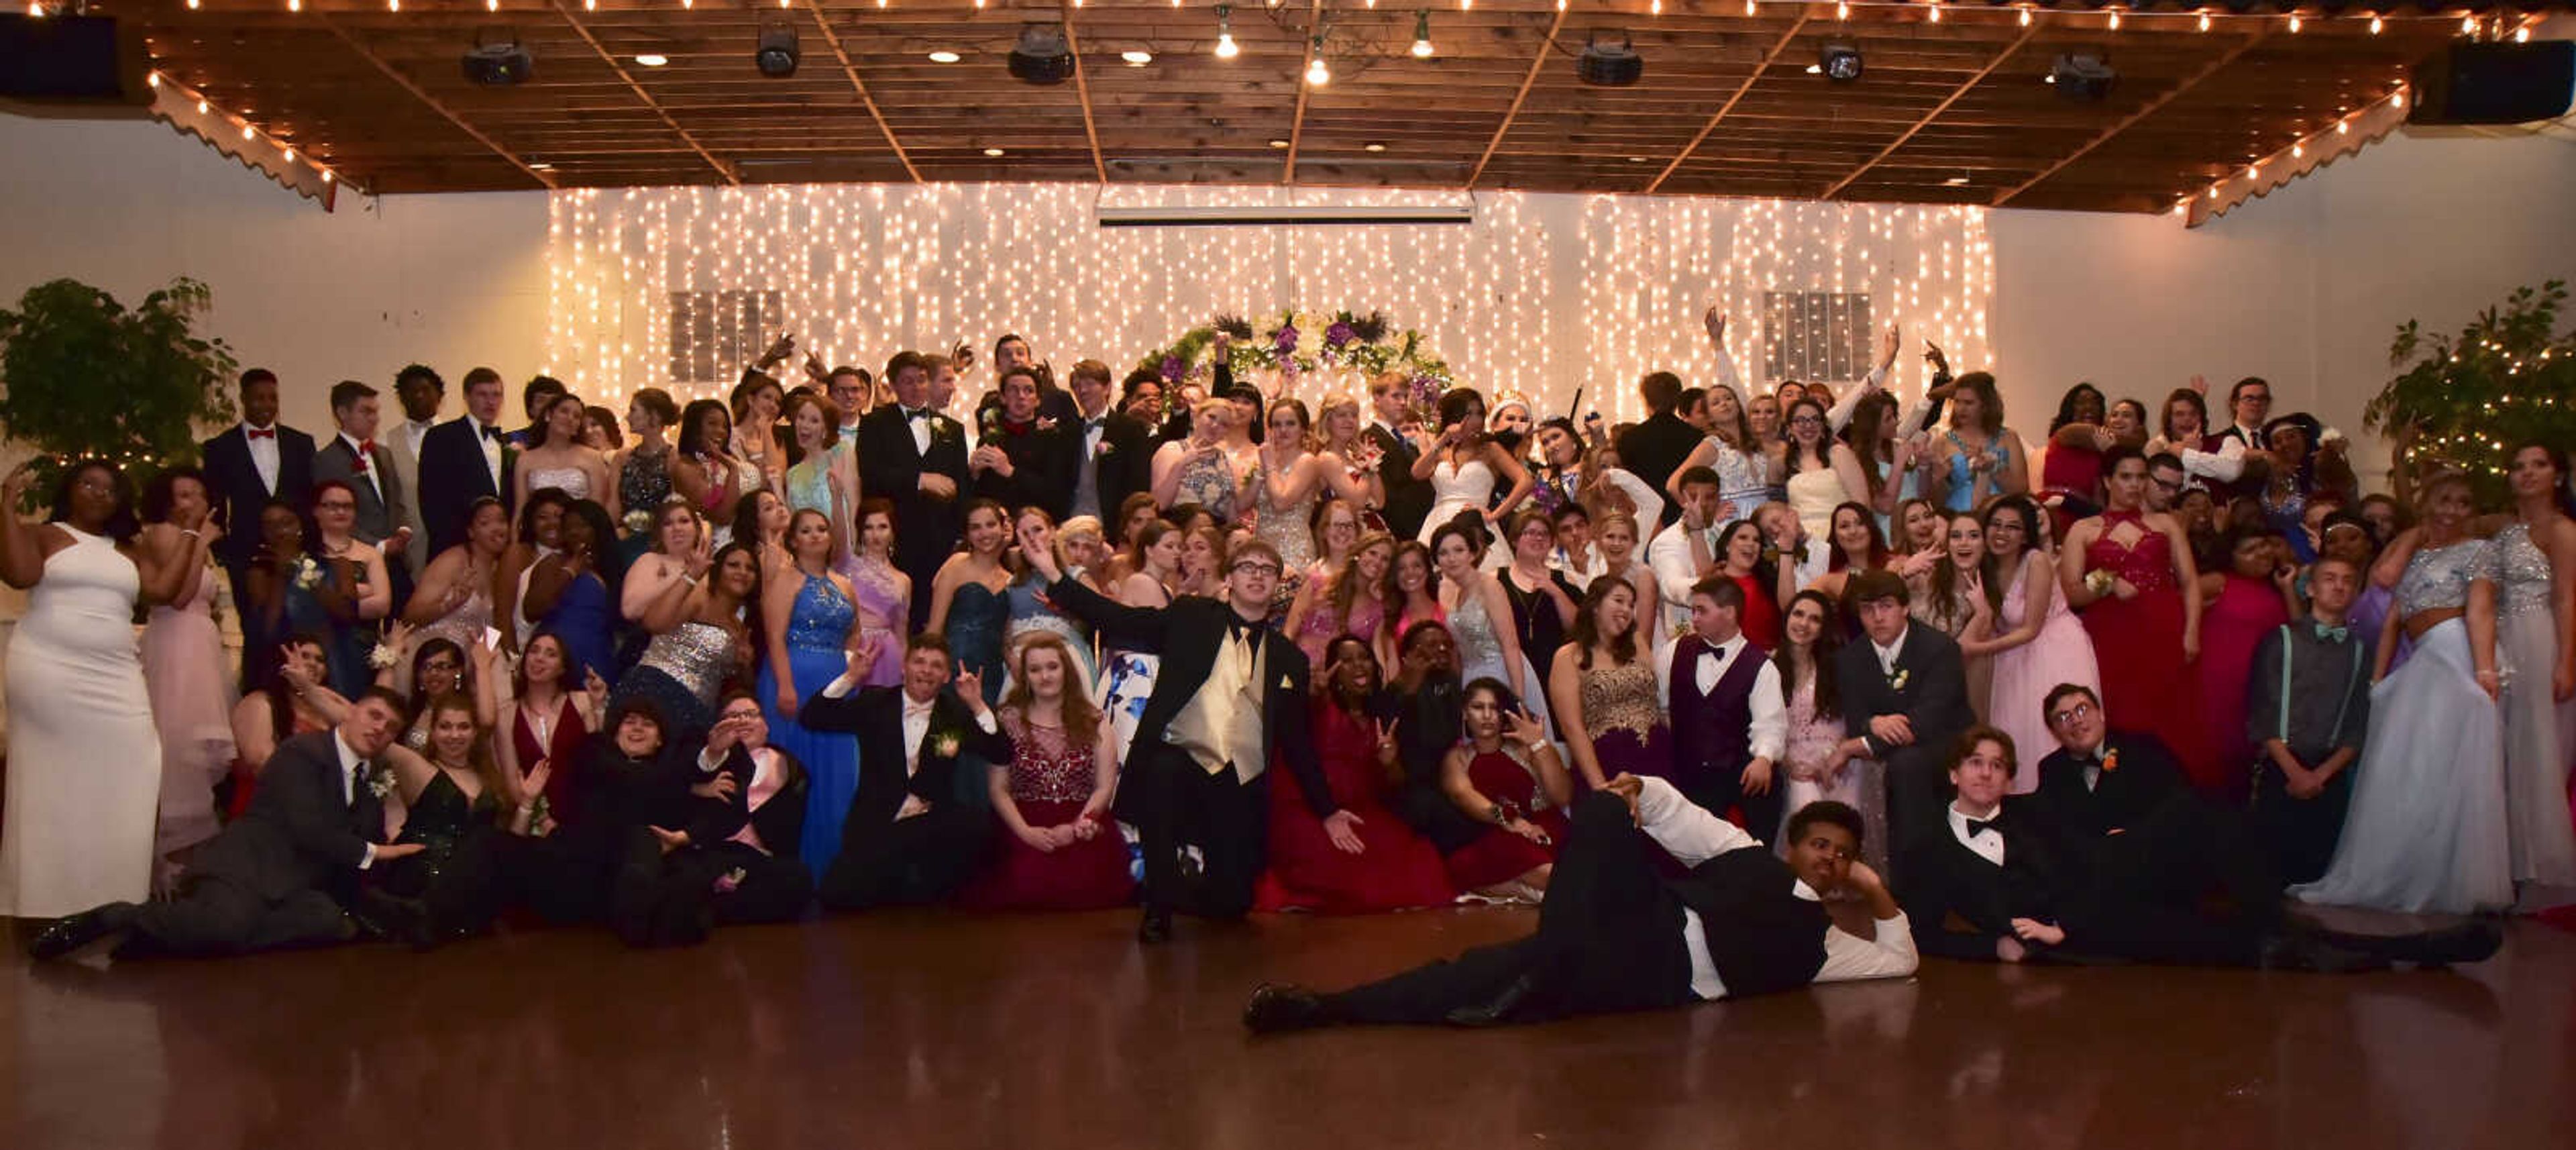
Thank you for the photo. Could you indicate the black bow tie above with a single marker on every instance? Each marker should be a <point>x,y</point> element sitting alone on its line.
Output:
<point>491,432</point>
<point>913,413</point>
<point>2091,758</point>
<point>1980,826</point>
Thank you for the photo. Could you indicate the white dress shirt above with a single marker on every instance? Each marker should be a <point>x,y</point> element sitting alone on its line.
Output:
<point>353,773</point>
<point>366,465</point>
<point>1768,737</point>
<point>263,453</point>
<point>413,430</point>
<point>1989,845</point>
<point>1694,836</point>
<point>1669,557</point>
<point>920,429</point>
<point>916,727</point>
<point>1888,653</point>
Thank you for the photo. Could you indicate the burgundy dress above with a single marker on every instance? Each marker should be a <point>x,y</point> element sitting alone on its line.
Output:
<point>1398,870</point>
<point>2076,474</point>
<point>1050,782</point>
<point>1761,621</point>
<point>562,750</point>
<point>2146,685</point>
<point>2230,629</point>
<point>1498,855</point>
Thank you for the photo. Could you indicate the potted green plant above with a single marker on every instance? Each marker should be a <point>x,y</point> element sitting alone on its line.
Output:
<point>85,375</point>
<point>2463,402</point>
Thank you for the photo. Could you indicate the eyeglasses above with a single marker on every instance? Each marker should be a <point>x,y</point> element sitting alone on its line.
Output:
<point>2166,484</point>
<point>740,716</point>
<point>2070,714</point>
<point>2257,398</point>
<point>1253,568</point>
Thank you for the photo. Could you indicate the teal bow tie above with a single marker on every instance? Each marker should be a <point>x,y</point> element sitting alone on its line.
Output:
<point>2332,634</point>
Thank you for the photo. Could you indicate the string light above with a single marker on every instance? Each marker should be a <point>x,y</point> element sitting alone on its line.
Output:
<point>1936,13</point>
<point>2522,35</point>
<point>2294,23</point>
<point>2204,21</point>
<point>2376,24</point>
<point>1842,11</point>
<point>2025,17</point>
<point>2468,25</point>
<point>2115,19</point>
<point>294,5</point>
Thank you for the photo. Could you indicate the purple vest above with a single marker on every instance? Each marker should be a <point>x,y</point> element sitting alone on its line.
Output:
<point>1712,732</point>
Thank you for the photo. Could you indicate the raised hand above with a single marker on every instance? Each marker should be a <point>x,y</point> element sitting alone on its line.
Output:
<point>1714,319</point>
<point>2200,383</point>
<point>1524,729</point>
<point>962,357</point>
<point>1385,741</point>
<point>970,688</point>
<point>595,687</point>
<point>538,777</point>
<point>16,485</point>
<point>779,350</point>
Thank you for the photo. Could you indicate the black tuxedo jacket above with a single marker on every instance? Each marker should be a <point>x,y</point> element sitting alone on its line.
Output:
<point>1934,698</point>
<point>299,834</point>
<point>780,821</point>
<point>452,476</point>
<point>377,513</point>
<point>1407,499</point>
<point>238,493</point>
<point>1959,904</point>
<point>2145,781</point>
<point>1042,462</point>
<point>875,715</point>
<point>1654,449</point>
<point>1187,635</point>
<point>890,467</point>
<point>1123,466</point>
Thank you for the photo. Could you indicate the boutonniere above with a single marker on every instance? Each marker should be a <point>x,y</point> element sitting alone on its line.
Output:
<point>2110,760</point>
<point>2099,582</point>
<point>1102,449</point>
<point>383,657</point>
<point>944,744</point>
<point>1897,679</point>
<point>308,573</point>
<point>380,782</point>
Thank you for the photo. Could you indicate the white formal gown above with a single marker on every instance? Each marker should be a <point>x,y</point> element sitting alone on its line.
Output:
<point>84,759</point>
<point>1455,489</point>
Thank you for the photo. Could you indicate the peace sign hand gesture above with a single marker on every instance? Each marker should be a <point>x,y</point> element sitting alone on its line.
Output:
<point>1386,746</point>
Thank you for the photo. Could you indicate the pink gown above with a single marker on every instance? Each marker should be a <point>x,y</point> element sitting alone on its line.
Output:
<point>2023,676</point>
<point>192,706</point>
<point>881,615</point>
<point>2230,629</point>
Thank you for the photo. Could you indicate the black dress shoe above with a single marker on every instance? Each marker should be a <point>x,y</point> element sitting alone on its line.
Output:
<point>1504,1008</point>
<point>73,932</point>
<point>2312,953</point>
<point>1277,1007</point>
<point>2474,941</point>
<point>1155,928</point>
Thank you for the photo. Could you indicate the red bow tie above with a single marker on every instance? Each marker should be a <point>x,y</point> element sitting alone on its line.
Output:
<point>271,433</point>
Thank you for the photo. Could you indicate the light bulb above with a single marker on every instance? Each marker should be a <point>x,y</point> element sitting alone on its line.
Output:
<point>2025,17</point>
<point>248,131</point>
<point>2294,23</point>
<point>2204,21</point>
<point>201,107</point>
<point>1225,48</point>
<point>326,175</point>
<point>2468,25</point>
<point>2343,127</point>
<point>2298,151</point>
<point>1936,13</point>
<point>294,5</point>
<point>1422,35</point>
<point>1317,74</point>
<point>290,155</point>
<point>1842,11</point>
<point>2522,35</point>
<point>2376,24</point>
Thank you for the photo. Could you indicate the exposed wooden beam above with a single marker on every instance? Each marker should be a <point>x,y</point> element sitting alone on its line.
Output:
<point>850,69</point>
<point>606,57</point>
<point>545,179</point>
<point>1944,106</point>
<point>1546,45</point>
<point>1777,47</point>
<point>1306,59</point>
<point>1082,91</point>
<point>2123,124</point>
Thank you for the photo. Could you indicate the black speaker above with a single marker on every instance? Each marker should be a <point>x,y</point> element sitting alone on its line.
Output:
<point>72,60</point>
<point>2495,83</point>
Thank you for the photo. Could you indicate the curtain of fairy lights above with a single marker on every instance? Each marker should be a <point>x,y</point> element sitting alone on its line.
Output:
<point>1542,294</point>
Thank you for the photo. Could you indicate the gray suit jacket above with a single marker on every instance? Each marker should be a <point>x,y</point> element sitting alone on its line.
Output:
<point>406,491</point>
<point>377,517</point>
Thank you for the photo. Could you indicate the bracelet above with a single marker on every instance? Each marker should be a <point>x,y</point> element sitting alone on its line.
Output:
<point>191,533</point>
<point>691,580</point>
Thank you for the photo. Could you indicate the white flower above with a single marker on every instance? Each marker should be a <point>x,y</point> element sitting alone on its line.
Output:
<point>382,657</point>
<point>309,574</point>
<point>945,746</point>
<point>381,782</point>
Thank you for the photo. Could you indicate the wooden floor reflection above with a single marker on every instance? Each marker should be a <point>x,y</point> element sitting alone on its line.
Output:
<point>935,1031</point>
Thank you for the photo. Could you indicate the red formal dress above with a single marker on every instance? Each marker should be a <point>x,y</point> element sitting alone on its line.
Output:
<point>2231,627</point>
<point>1498,855</point>
<point>1761,620</point>
<point>1397,870</point>
<point>1050,781</point>
<point>2146,685</point>
<point>561,748</point>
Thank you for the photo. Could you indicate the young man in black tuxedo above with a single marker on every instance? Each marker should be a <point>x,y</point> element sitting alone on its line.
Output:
<point>1616,935</point>
<point>909,839</point>
<point>251,463</point>
<point>1654,449</point>
<point>639,798</point>
<point>1113,455</point>
<point>1023,458</point>
<point>1904,697</point>
<point>284,874</point>
<point>1408,499</point>
<point>915,458</point>
<point>1230,699</point>
<point>2007,882</point>
<point>463,460</point>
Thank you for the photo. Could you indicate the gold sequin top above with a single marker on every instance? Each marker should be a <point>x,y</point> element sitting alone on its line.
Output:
<point>1622,699</point>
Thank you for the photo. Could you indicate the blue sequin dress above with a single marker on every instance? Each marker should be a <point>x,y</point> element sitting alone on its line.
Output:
<point>817,628</point>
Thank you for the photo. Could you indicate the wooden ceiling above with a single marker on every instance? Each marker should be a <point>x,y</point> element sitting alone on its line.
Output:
<point>1949,111</point>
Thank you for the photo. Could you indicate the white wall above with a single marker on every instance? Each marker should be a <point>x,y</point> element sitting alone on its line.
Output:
<point>2303,287</point>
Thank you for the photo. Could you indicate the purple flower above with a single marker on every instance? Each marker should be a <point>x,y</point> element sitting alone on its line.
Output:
<point>1285,340</point>
<point>1173,369</point>
<point>1338,334</point>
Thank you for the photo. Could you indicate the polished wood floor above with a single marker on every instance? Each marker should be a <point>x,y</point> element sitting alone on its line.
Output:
<point>1032,1033</point>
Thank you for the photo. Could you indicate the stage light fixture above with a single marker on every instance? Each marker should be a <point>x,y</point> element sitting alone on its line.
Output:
<point>1839,61</point>
<point>777,55</point>
<point>498,63</point>
<point>1041,56</point>
<point>1607,65</point>
<point>2084,75</point>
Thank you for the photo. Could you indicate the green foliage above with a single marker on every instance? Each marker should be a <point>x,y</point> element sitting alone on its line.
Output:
<point>85,375</point>
<point>2510,375</point>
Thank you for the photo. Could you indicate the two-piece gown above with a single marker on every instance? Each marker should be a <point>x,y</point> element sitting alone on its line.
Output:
<point>2427,830</point>
<point>84,760</point>
<point>818,626</point>
<point>1397,869</point>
